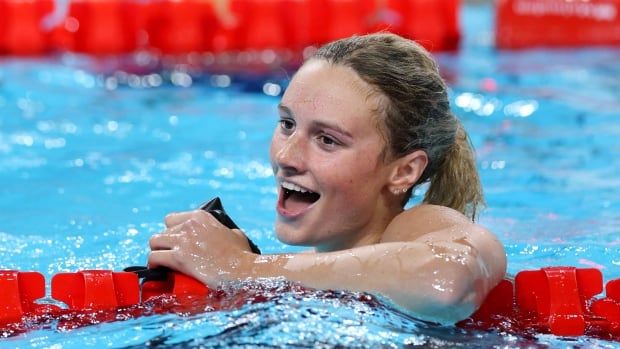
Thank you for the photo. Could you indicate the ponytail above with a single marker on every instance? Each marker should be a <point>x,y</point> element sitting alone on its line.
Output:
<point>456,184</point>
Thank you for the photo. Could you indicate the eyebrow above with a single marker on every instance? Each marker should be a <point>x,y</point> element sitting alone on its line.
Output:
<point>285,109</point>
<point>320,124</point>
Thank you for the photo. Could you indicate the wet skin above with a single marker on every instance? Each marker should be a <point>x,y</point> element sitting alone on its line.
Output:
<point>429,259</point>
<point>328,141</point>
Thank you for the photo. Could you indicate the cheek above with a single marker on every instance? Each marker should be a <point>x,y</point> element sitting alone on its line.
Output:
<point>352,178</point>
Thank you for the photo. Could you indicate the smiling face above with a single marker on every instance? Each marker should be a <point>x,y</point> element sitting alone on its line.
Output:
<point>326,156</point>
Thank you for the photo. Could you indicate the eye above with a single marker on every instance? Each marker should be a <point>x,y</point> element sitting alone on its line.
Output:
<point>287,125</point>
<point>327,141</point>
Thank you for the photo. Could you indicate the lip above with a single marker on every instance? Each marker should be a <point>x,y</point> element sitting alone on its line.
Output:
<point>280,204</point>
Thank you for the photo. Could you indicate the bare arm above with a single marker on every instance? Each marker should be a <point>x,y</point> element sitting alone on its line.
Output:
<point>440,276</point>
<point>435,286</point>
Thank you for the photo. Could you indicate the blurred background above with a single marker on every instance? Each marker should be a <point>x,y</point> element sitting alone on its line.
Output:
<point>114,113</point>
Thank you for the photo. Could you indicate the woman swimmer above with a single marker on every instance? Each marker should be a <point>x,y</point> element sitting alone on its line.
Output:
<point>362,123</point>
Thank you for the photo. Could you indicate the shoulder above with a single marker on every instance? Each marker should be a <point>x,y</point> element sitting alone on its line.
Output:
<point>420,220</point>
<point>433,224</point>
<point>439,225</point>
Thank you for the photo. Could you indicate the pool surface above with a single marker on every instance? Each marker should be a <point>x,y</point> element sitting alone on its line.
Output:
<point>90,165</point>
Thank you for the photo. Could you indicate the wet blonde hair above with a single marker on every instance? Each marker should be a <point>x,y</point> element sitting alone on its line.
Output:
<point>416,114</point>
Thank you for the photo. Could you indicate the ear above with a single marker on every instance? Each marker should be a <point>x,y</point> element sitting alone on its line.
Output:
<point>407,170</point>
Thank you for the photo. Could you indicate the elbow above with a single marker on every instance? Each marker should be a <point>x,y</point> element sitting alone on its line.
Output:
<point>442,307</point>
<point>450,283</point>
<point>452,293</point>
<point>457,301</point>
<point>475,274</point>
<point>470,283</point>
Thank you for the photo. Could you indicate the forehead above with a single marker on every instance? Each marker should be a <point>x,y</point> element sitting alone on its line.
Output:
<point>329,90</point>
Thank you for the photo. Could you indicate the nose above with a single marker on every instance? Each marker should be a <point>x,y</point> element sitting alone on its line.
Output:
<point>290,158</point>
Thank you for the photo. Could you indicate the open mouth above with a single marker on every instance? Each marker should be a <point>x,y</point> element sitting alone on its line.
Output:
<point>295,199</point>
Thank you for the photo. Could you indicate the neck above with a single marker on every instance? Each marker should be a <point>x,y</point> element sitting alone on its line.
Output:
<point>369,235</point>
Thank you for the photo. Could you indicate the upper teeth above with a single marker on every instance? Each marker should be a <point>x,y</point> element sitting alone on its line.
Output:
<point>295,187</point>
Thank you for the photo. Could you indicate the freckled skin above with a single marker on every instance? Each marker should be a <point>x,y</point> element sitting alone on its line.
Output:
<point>351,178</point>
<point>431,260</point>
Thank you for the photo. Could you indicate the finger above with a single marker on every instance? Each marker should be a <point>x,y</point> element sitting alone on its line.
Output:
<point>206,218</point>
<point>163,258</point>
<point>163,241</point>
<point>177,218</point>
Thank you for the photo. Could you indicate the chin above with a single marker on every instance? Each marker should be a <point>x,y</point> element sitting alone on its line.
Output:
<point>291,237</point>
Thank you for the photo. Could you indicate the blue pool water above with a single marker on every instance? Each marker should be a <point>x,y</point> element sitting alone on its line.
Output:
<point>89,167</point>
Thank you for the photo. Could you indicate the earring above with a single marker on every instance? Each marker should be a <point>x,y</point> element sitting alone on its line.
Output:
<point>397,191</point>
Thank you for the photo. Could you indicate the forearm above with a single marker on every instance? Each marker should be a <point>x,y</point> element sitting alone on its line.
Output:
<point>443,276</point>
<point>442,286</point>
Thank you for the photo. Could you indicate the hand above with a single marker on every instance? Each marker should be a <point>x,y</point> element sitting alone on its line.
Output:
<point>197,244</point>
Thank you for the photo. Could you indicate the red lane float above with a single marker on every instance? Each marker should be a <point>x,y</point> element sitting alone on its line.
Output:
<point>21,29</point>
<point>96,289</point>
<point>101,27</point>
<point>19,291</point>
<point>556,23</point>
<point>558,300</point>
<point>175,27</point>
<point>90,297</point>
